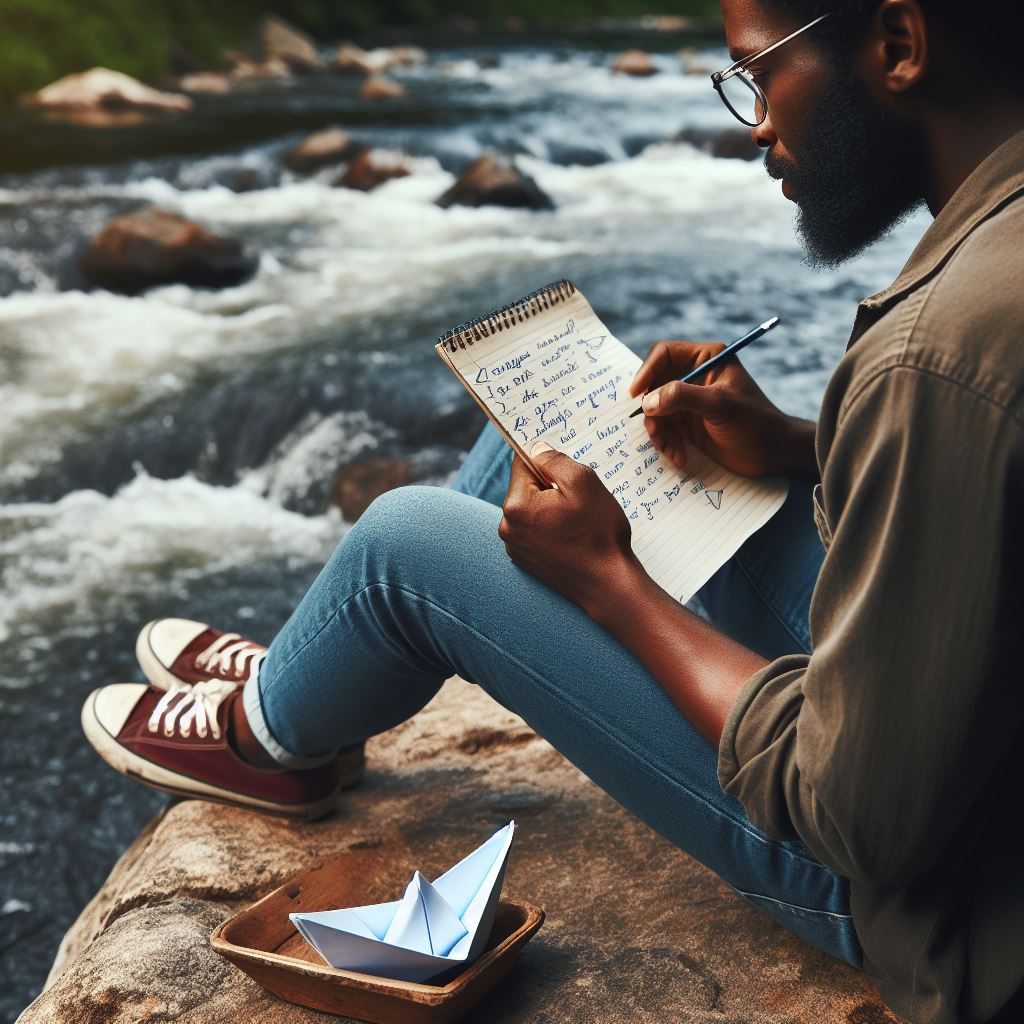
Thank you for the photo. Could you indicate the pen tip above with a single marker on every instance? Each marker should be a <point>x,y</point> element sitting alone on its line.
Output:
<point>769,324</point>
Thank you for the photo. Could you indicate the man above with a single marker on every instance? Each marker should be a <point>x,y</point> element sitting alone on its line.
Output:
<point>868,768</point>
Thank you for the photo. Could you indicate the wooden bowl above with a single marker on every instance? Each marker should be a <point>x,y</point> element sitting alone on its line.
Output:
<point>263,942</point>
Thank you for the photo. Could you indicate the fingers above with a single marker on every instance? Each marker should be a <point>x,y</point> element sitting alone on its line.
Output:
<point>670,437</point>
<point>565,474</point>
<point>677,397</point>
<point>665,361</point>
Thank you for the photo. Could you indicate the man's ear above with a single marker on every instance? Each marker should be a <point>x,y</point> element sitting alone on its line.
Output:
<point>899,44</point>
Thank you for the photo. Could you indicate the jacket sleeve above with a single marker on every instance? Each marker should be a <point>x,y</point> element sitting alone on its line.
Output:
<point>871,749</point>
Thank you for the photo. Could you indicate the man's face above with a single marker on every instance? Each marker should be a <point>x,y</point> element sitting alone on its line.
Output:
<point>853,168</point>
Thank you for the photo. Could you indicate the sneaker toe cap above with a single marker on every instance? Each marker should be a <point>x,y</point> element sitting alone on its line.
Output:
<point>112,705</point>
<point>167,638</point>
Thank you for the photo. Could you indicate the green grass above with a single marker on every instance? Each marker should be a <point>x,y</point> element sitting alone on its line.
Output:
<point>41,40</point>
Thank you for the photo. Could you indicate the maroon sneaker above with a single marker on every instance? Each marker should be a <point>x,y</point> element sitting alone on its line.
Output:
<point>176,740</point>
<point>175,651</point>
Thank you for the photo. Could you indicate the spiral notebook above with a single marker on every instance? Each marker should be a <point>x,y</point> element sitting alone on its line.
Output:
<point>545,368</point>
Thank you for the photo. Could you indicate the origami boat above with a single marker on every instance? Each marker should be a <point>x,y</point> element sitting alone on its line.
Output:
<point>432,928</point>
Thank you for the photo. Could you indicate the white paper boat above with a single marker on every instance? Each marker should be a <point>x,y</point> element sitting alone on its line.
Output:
<point>433,927</point>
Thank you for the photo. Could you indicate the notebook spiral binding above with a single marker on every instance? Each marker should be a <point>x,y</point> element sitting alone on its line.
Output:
<point>508,316</point>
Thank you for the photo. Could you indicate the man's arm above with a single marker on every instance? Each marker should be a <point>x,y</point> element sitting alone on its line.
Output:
<point>872,748</point>
<point>576,540</point>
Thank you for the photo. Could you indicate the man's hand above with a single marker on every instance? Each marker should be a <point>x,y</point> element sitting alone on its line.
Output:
<point>725,415</point>
<point>573,537</point>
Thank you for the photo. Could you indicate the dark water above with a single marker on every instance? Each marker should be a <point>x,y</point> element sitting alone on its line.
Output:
<point>171,454</point>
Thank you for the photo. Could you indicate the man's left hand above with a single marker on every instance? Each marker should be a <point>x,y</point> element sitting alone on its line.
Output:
<point>573,537</point>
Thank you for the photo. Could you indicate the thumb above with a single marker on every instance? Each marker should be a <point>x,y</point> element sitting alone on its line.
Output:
<point>562,471</point>
<point>675,396</point>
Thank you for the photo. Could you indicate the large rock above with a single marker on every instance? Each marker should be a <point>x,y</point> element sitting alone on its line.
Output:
<point>380,87</point>
<point>150,247</point>
<point>352,59</point>
<point>103,89</point>
<point>358,483</point>
<point>636,931</point>
<point>285,42</point>
<point>321,149</point>
<point>212,83</point>
<point>373,168</point>
<point>255,71</point>
<point>634,62</point>
<point>494,181</point>
<point>726,143</point>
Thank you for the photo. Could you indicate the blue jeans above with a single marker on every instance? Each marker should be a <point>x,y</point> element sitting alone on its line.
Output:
<point>421,589</point>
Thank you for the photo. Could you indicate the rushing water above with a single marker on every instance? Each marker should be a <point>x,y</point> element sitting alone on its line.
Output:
<point>171,453</point>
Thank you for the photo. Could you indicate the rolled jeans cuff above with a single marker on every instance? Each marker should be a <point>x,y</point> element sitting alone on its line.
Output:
<point>253,704</point>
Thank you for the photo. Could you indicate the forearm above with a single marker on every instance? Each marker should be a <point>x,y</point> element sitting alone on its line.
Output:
<point>700,669</point>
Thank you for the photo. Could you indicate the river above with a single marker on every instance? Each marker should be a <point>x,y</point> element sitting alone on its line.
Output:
<point>171,453</point>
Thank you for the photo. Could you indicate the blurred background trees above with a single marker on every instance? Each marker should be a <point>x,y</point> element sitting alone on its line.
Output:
<point>40,40</point>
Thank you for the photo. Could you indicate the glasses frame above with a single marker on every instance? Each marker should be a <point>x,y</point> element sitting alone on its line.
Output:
<point>747,78</point>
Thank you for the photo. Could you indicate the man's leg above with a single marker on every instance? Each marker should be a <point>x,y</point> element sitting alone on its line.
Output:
<point>421,589</point>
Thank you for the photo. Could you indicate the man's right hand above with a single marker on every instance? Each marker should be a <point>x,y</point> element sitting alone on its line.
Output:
<point>725,415</point>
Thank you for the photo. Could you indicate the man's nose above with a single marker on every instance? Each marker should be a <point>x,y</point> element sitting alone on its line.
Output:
<point>764,134</point>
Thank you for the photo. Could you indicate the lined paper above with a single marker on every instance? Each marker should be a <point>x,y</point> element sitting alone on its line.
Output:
<point>562,377</point>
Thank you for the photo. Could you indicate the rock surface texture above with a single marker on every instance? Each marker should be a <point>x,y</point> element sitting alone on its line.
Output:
<point>494,181</point>
<point>321,149</point>
<point>287,43</point>
<point>151,247</point>
<point>634,62</point>
<point>373,168</point>
<point>103,89</point>
<point>636,931</point>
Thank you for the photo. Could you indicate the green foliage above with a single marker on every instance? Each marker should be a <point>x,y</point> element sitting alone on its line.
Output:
<point>41,40</point>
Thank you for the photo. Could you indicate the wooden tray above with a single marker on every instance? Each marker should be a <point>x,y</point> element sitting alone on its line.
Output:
<point>265,944</point>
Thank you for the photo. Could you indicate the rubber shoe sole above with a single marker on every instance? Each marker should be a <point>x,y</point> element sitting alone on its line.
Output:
<point>132,766</point>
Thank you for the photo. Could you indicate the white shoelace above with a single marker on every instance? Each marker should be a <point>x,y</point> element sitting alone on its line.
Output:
<point>198,703</point>
<point>221,655</point>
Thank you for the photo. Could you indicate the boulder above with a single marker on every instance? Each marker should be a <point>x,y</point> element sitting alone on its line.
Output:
<point>637,932</point>
<point>103,89</point>
<point>151,247</point>
<point>358,483</point>
<point>373,168</point>
<point>634,62</point>
<point>352,59</point>
<point>287,43</point>
<point>380,87</point>
<point>212,83</point>
<point>725,143</point>
<point>257,71</point>
<point>492,180</point>
<point>321,149</point>
<point>409,55</point>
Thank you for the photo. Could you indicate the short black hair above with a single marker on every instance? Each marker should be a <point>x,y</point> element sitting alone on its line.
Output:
<point>973,26</point>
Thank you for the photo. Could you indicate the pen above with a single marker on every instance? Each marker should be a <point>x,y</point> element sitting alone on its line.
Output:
<point>729,350</point>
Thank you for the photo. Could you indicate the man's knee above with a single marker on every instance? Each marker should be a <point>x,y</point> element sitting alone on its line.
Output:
<point>417,529</point>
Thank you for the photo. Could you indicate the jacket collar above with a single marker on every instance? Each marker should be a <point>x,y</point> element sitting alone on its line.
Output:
<point>996,181</point>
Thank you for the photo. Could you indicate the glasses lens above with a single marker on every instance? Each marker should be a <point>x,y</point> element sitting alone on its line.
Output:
<point>743,98</point>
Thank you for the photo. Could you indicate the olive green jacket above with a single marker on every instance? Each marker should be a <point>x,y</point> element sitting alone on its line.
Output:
<point>894,750</point>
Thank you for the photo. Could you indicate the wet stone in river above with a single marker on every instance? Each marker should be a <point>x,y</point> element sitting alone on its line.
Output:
<point>151,247</point>
<point>493,181</point>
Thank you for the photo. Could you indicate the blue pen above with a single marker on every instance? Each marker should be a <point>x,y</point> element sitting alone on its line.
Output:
<point>726,352</point>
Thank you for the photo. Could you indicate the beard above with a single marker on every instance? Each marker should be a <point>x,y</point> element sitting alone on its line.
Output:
<point>861,173</point>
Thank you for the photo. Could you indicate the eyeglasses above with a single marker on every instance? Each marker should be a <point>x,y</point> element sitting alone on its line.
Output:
<point>740,93</point>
